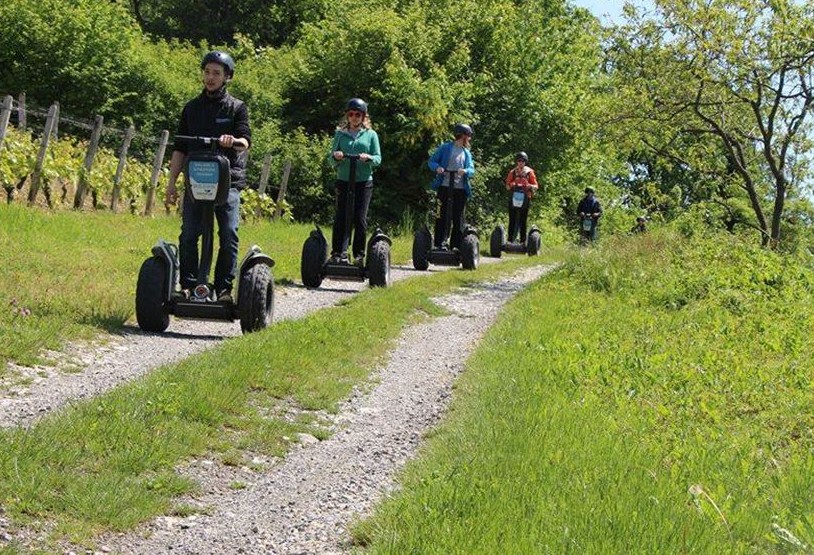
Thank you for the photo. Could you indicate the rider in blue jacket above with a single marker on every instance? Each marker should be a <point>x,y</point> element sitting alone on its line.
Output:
<point>453,158</point>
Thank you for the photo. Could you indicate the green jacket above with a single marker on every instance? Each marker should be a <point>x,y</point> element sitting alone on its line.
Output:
<point>367,141</point>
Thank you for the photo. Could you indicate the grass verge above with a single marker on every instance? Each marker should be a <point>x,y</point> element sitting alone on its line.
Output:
<point>652,397</point>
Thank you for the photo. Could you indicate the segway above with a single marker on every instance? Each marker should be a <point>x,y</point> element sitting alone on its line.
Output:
<point>157,293</point>
<point>497,241</point>
<point>315,266</point>
<point>425,253</point>
<point>498,244</point>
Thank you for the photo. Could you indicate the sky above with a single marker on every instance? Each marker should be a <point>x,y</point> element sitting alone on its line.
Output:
<point>608,11</point>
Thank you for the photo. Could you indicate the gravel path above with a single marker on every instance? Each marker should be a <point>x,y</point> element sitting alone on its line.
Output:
<point>304,503</point>
<point>83,371</point>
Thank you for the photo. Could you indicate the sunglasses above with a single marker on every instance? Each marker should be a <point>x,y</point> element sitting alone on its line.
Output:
<point>354,114</point>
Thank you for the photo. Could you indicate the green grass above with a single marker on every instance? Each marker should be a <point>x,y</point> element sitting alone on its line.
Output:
<point>646,399</point>
<point>68,275</point>
<point>107,464</point>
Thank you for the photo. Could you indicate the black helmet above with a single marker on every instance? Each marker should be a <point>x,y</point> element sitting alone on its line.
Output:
<point>221,58</point>
<point>522,156</point>
<point>357,104</point>
<point>589,190</point>
<point>462,129</point>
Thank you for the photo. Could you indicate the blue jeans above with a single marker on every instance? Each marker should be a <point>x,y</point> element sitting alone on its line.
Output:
<point>228,217</point>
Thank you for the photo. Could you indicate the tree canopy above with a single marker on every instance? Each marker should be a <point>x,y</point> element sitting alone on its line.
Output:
<point>721,92</point>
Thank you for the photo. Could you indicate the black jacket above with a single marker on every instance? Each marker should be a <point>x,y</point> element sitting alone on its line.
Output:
<point>207,116</point>
<point>589,205</point>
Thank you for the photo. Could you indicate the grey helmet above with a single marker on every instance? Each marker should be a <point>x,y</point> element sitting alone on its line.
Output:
<point>522,156</point>
<point>221,58</point>
<point>357,104</point>
<point>462,129</point>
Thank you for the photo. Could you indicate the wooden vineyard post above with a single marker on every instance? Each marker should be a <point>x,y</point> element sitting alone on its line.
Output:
<point>264,174</point>
<point>157,163</point>
<point>5,115</point>
<point>82,189</point>
<point>21,112</point>
<point>117,180</point>
<point>36,176</point>
<point>283,186</point>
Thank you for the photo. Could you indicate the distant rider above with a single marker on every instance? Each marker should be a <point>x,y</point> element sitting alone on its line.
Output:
<point>453,156</point>
<point>589,207</point>
<point>641,225</point>
<point>522,178</point>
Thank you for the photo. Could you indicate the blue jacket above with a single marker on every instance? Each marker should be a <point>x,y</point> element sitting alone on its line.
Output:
<point>440,158</point>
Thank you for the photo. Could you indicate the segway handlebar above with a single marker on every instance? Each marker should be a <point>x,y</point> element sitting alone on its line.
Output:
<point>204,140</point>
<point>349,156</point>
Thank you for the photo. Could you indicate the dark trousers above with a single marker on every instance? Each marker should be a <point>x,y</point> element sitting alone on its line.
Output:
<point>228,217</point>
<point>518,219</point>
<point>362,193</point>
<point>458,224</point>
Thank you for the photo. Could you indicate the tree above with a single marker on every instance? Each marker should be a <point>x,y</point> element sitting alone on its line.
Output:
<point>266,22</point>
<point>739,72</point>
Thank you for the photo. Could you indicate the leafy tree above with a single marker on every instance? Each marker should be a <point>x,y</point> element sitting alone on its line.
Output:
<point>265,22</point>
<point>725,89</point>
<point>522,73</point>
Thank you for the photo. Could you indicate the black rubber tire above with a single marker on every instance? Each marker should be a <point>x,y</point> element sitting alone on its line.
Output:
<point>150,295</point>
<point>314,256</point>
<point>496,241</point>
<point>422,244</point>
<point>378,265</point>
<point>470,252</point>
<point>255,298</point>
<point>533,243</point>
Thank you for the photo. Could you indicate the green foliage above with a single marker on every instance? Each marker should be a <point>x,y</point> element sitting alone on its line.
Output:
<point>256,206</point>
<point>310,187</point>
<point>664,270</point>
<point>715,101</point>
<point>265,22</point>
<point>80,42</point>
<point>18,154</point>
<point>523,74</point>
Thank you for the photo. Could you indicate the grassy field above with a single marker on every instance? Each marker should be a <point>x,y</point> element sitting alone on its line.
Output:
<point>68,274</point>
<point>654,396</point>
<point>107,464</point>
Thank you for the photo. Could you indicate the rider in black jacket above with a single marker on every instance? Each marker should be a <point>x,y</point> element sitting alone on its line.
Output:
<point>214,113</point>
<point>589,207</point>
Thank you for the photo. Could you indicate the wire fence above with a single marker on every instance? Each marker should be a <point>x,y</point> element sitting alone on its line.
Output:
<point>53,117</point>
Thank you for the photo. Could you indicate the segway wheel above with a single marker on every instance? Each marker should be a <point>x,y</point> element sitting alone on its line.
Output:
<point>150,295</point>
<point>255,300</point>
<point>469,252</point>
<point>496,241</point>
<point>422,244</point>
<point>314,256</point>
<point>533,242</point>
<point>378,264</point>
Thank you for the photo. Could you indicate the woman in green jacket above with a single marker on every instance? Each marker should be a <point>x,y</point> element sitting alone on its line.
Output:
<point>353,136</point>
